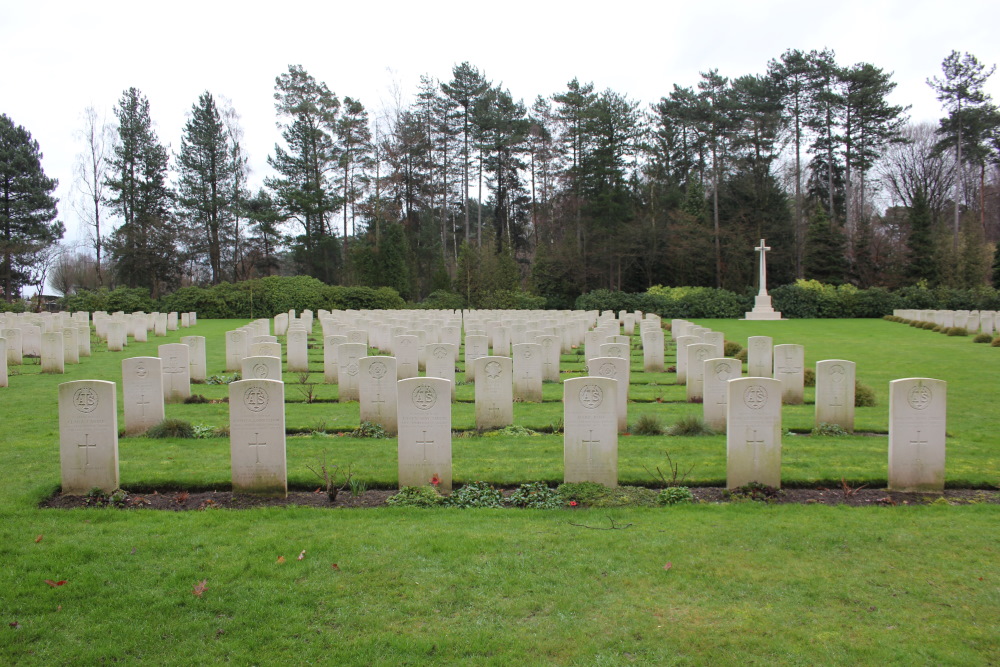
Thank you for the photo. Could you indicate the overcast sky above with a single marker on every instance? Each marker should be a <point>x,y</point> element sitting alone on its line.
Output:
<point>60,56</point>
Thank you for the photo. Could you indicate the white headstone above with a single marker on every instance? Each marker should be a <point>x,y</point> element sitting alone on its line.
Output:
<point>697,355</point>
<point>476,346</point>
<point>197,357</point>
<point>14,350</point>
<point>377,392</point>
<point>3,362</point>
<point>718,373</point>
<point>53,356</point>
<point>917,420</point>
<point>760,362</point>
<point>424,441</point>
<point>527,371</point>
<point>753,432</point>
<point>682,343</point>
<point>407,360</point>
<point>789,368</point>
<point>494,392</point>
<point>348,357</point>
<point>116,336</point>
<point>835,393</point>
<point>652,350</point>
<point>441,363</point>
<point>88,436</point>
<point>615,368</point>
<point>142,393</point>
<point>590,439</point>
<point>236,345</point>
<point>176,371</point>
<point>297,342</point>
<point>331,367</point>
<point>257,437</point>
<point>261,368</point>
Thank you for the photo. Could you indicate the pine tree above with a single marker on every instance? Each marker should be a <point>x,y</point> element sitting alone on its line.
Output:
<point>921,263</point>
<point>466,87</point>
<point>27,207</point>
<point>825,243</point>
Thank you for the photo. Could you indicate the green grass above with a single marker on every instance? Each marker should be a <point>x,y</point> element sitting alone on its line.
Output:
<point>747,584</point>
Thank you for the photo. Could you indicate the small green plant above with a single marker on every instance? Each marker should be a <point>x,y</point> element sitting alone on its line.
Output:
<point>171,428</point>
<point>369,429</point>
<point>223,379</point>
<point>864,396</point>
<point>512,431</point>
<point>937,328</point>
<point>982,338</point>
<point>202,431</point>
<point>809,377</point>
<point>824,428</point>
<point>742,355</point>
<point>331,475</point>
<point>195,399</point>
<point>416,496</point>
<point>358,486</point>
<point>996,342</point>
<point>755,491</point>
<point>676,479</point>
<point>647,424</point>
<point>957,331</point>
<point>591,494</point>
<point>306,388</point>
<point>731,349</point>
<point>690,425</point>
<point>582,493</point>
<point>535,495</point>
<point>475,495</point>
<point>675,495</point>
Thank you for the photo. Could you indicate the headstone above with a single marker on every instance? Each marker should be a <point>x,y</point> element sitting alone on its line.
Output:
<point>348,358</point>
<point>760,361</point>
<point>441,363</point>
<point>257,437</point>
<point>281,324</point>
<point>590,437</point>
<point>476,346</point>
<point>331,364</point>
<point>652,350</point>
<point>681,345</point>
<point>551,349</point>
<point>377,392</point>
<point>3,362</point>
<point>835,393</point>
<point>142,393</point>
<point>789,368</point>
<point>917,420</point>
<point>197,357</point>
<point>264,350</point>
<point>424,441</point>
<point>697,355</point>
<point>615,368</point>
<point>31,341</point>
<point>753,432</point>
<point>528,372</point>
<point>71,346</point>
<point>160,324</point>
<point>236,345</point>
<point>407,360</point>
<point>176,371</point>
<point>116,336</point>
<point>297,343</point>
<point>53,356</point>
<point>718,373</point>
<point>717,339</point>
<point>171,321</point>
<point>83,339</point>
<point>494,392</point>
<point>261,368</point>
<point>88,436</point>
<point>14,350</point>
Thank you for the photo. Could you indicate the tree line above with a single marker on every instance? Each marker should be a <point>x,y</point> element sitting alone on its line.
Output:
<point>467,189</point>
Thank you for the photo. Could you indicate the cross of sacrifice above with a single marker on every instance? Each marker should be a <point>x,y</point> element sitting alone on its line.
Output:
<point>87,446</point>
<point>142,403</point>
<point>590,447</point>
<point>423,443</point>
<point>257,445</point>
<point>763,250</point>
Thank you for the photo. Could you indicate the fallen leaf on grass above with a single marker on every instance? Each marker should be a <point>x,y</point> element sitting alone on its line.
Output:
<point>281,559</point>
<point>668,566</point>
<point>334,566</point>
<point>38,539</point>
<point>133,551</point>
<point>302,555</point>
<point>15,625</point>
<point>53,584</point>
<point>200,588</point>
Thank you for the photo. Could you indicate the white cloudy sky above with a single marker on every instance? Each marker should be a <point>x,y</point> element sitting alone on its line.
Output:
<point>61,56</point>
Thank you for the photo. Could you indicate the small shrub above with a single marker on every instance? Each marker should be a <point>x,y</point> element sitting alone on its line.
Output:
<point>755,491</point>
<point>416,496</point>
<point>996,342</point>
<point>690,425</point>
<point>930,326</point>
<point>535,495</point>
<point>223,379</point>
<point>937,328</point>
<point>647,424</point>
<point>583,493</point>
<point>202,431</point>
<point>742,355</point>
<point>808,377</point>
<point>824,428</point>
<point>330,474</point>
<point>195,398</point>
<point>731,349</point>
<point>369,430</point>
<point>475,495</point>
<point>983,338</point>
<point>864,396</point>
<point>675,495</point>
<point>171,428</point>
<point>627,496</point>
<point>957,331</point>
<point>512,431</point>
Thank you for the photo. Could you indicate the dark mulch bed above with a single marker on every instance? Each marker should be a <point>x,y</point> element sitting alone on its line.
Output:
<point>183,500</point>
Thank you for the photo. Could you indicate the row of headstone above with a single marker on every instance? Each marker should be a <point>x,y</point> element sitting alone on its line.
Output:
<point>984,321</point>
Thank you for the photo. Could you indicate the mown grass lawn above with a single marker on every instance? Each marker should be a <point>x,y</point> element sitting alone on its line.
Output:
<point>746,583</point>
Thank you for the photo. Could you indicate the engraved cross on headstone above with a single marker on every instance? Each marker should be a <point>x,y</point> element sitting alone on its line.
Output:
<point>257,445</point>
<point>590,447</point>
<point>918,462</point>
<point>87,446</point>
<point>757,444</point>
<point>494,410</point>
<point>423,443</point>
<point>379,401</point>
<point>142,403</point>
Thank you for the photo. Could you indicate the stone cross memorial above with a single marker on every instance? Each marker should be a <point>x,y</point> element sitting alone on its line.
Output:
<point>377,392</point>
<point>88,436</point>
<point>835,393</point>
<point>590,438</point>
<point>917,418</point>
<point>424,441</point>
<point>753,432</point>
<point>257,437</point>
<point>762,309</point>
<point>142,393</point>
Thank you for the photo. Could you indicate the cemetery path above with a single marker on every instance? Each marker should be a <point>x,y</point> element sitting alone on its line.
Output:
<point>203,500</point>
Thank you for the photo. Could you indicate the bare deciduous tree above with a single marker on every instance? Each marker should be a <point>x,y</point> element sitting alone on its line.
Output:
<point>97,135</point>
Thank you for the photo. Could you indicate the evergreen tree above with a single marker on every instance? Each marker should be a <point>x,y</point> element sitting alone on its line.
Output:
<point>921,263</point>
<point>27,207</point>
<point>825,244</point>
<point>143,247</point>
<point>467,86</point>
<point>386,264</point>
